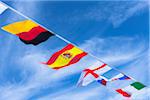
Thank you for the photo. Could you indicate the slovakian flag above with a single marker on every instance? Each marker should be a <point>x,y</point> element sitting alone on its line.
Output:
<point>131,89</point>
<point>28,32</point>
<point>2,8</point>
<point>65,57</point>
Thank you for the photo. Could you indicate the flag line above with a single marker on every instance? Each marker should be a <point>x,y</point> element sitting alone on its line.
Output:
<point>60,37</point>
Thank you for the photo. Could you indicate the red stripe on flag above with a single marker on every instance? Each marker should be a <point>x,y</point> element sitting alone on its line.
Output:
<point>74,60</point>
<point>33,33</point>
<point>77,58</point>
<point>104,82</point>
<point>125,94</point>
<point>56,54</point>
<point>99,67</point>
<point>89,71</point>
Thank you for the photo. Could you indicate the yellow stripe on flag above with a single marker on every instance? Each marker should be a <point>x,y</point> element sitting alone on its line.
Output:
<point>19,27</point>
<point>62,61</point>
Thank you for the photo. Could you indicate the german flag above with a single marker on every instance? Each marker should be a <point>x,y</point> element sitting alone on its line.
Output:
<point>28,32</point>
<point>67,56</point>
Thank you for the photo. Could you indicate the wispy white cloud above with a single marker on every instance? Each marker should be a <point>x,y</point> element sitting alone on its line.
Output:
<point>7,49</point>
<point>74,94</point>
<point>37,75</point>
<point>139,67</point>
<point>141,95</point>
<point>11,18</point>
<point>41,75</point>
<point>119,13</point>
<point>128,10</point>
<point>120,46</point>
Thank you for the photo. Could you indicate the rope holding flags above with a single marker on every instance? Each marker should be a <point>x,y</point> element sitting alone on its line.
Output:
<point>31,32</point>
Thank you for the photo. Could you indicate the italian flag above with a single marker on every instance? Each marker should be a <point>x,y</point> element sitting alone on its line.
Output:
<point>131,89</point>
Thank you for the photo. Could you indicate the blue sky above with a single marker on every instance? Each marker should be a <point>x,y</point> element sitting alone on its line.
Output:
<point>116,32</point>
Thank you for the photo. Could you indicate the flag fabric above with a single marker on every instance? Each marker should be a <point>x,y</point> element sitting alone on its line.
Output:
<point>131,89</point>
<point>102,81</point>
<point>2,8</point>
<point>84,81</point>
<point>31,33</point>
<point>92,71</point>
<point>28,32</point>
<point>110,74</point>
<point>92,74</point>
<point>67,56</point>
<point>123,93</point>
<point>138,85</point>
<point>120,76</point>
<point>105,75</point>
<point>102,74</point>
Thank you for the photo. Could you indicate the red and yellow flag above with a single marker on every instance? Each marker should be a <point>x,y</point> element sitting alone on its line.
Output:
<point>28,32</point>
<point>65,57</point>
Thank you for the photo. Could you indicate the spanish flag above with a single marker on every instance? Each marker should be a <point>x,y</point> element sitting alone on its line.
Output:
<point>28,32</point>
<point>67,56</point>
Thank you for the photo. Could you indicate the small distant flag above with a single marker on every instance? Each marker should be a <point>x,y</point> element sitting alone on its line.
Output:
<point>102,81</point>
<point>67,56</point>
<point>120,77</point>
<point>131,89</point>
<point>28,32</point>
<point>123,93</point>
<point>2,8</point>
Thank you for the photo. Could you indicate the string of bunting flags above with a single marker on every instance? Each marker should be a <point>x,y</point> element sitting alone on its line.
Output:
<point>30,32</point>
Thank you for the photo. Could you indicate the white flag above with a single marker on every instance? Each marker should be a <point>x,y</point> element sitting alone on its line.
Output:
<point>92,73</point>
<point>2,8</point>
